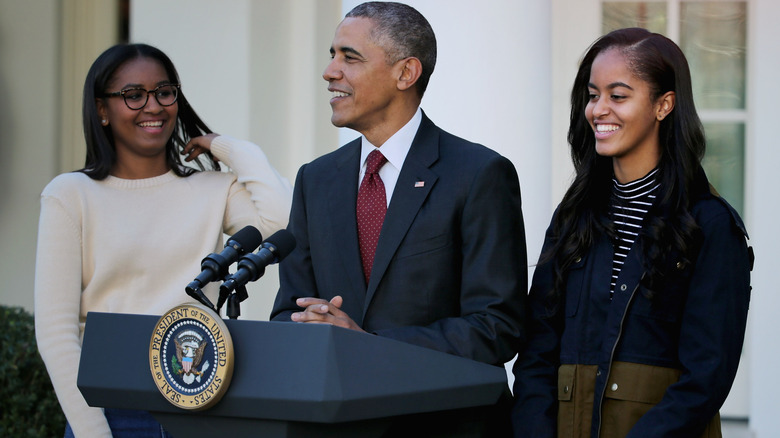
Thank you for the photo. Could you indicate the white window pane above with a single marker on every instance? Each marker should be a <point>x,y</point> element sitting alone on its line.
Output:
<point>650,15</point>
<point>713,37</point>
<point>724,161</point>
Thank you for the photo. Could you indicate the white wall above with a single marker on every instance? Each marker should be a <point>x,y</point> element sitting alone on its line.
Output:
<point>762,211</point>
<point>210,48</point>
<point>29,87</point>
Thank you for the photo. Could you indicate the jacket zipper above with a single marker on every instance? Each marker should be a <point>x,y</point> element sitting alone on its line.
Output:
<point>614,347</point>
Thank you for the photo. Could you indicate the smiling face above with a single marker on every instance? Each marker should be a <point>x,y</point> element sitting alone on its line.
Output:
<point>625,116</point>
<point>139,135</point>
<point>363,84</point>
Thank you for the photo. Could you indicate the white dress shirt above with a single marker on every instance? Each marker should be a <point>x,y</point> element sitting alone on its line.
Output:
<point>395,150</point>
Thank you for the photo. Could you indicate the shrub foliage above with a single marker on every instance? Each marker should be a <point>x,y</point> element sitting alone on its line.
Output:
<point>29,405</point>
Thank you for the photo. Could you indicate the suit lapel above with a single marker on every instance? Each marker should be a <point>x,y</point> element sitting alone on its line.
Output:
<point>414,185</point>
<point>342,195</point>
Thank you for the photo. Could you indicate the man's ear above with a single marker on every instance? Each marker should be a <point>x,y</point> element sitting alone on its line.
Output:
<point>665,105</point>
<point>410,70</point>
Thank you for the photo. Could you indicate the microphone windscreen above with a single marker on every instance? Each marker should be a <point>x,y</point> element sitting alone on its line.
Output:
<point>284,242</point>
<point>248,237</point>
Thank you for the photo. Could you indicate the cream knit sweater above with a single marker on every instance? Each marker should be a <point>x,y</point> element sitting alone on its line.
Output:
<point>131,246</point>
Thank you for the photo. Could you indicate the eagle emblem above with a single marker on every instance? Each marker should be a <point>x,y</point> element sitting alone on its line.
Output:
<point>191,357</point>
<point>189,354</point>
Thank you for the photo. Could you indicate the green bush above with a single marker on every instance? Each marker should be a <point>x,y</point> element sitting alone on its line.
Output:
<point>29,405</point>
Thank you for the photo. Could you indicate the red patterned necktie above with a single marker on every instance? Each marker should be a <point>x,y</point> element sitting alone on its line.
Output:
<point>371,209</point>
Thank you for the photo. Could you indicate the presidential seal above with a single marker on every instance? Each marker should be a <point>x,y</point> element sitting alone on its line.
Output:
<point>191,357</point>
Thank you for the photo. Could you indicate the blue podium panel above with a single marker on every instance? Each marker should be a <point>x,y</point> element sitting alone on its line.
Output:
<point>291,377</point>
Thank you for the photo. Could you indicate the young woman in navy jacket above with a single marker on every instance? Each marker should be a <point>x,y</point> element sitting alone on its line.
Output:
<point>638,304</point>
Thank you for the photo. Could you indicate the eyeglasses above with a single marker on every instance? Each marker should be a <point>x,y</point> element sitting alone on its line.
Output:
<point>136,98</point>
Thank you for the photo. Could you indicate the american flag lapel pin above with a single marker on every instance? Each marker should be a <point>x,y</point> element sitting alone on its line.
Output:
<point>419,184</point>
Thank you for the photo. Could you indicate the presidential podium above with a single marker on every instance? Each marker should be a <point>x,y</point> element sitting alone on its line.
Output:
<point>296,380</point>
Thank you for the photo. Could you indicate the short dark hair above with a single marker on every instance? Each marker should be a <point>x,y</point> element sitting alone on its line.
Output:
<point>101,150</point>
<point>402,32</point>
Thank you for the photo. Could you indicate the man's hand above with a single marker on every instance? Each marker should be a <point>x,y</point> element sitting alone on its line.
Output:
<point>319,311</point>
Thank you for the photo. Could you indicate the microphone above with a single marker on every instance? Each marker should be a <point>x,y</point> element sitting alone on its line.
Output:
<point>215,266</point>
<point>252,266</point>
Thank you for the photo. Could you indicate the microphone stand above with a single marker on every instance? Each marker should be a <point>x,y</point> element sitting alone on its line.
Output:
<point>197,293</point>
<point>236,294</point>
<point>234,302</point>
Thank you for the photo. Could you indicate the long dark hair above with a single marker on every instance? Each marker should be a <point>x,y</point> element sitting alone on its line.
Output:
<point>101,151</point>
<point>582,214</point>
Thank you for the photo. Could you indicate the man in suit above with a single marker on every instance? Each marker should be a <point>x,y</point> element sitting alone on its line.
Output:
<point>448,269</point>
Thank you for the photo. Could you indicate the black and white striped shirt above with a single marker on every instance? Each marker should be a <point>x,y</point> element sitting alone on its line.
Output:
<point>629,205</point>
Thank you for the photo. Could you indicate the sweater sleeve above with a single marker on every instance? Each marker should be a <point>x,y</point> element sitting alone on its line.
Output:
<point>58,273</point>
<point>257,184</point>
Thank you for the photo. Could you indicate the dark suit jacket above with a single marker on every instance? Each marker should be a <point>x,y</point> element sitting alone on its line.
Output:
<point>450,271</point>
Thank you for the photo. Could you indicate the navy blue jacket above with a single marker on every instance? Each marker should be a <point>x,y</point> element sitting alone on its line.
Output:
<point>696,324</point>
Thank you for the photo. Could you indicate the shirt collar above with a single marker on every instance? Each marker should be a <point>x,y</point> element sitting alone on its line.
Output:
<point>397,146</point>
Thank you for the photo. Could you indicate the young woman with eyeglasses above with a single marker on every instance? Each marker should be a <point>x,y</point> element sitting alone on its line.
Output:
<point>127,233</point>
<point>638,305</point>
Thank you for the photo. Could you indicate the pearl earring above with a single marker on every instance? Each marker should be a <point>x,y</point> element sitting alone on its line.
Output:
<point>104,122</point>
